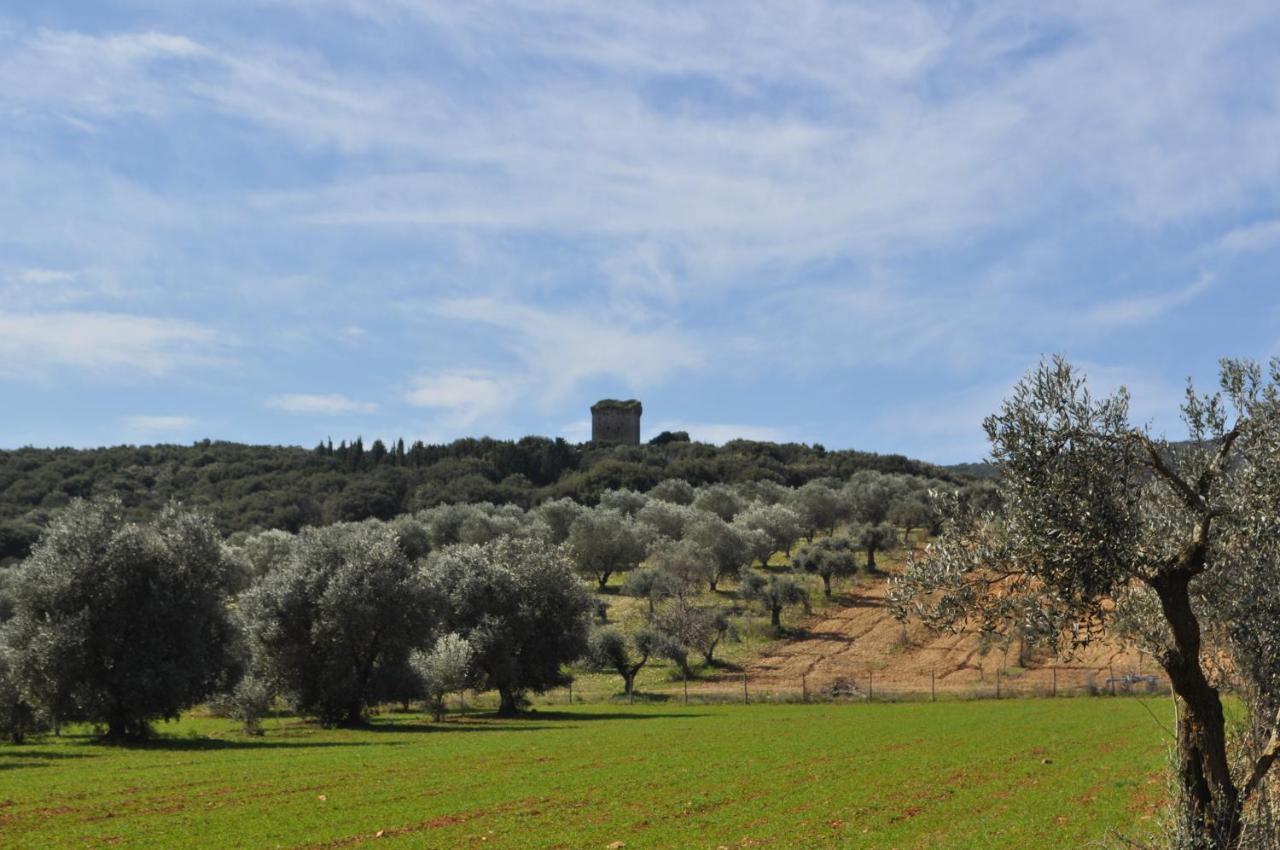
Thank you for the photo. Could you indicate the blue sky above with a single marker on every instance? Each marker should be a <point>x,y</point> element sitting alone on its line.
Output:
<point>850,223</point>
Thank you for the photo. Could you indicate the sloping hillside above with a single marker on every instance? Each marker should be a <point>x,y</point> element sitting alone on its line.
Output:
<point>858,644</point>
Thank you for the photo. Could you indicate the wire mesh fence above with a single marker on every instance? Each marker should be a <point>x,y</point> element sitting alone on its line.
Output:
<point>869,685</point>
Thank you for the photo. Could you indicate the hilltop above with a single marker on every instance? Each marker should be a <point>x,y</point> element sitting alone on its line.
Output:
<point>255,487</point>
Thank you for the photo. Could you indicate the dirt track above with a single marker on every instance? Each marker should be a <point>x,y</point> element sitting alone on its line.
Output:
<point>858,641</point>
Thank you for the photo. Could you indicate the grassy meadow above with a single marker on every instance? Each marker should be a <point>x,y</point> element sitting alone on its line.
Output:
<point>1024,773</point>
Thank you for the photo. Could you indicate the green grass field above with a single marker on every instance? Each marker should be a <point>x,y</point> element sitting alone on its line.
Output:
<point>1024,773</point>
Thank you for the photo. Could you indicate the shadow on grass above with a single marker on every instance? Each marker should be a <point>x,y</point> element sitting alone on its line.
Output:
<point>457,724</point>
<point>41,755</point>
<point>610,715</point>
<point>175,744</point>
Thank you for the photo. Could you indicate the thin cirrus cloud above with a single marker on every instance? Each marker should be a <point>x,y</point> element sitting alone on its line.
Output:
<point>100,343</point>
<point>150,424</point>
<point>788,212</point>
<point>461,399</point>
<point>325,404</point>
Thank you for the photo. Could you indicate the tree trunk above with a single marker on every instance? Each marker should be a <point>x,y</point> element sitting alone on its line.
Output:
<point>775,616</point>
<point>871,559</point>
<point>1204,772</point>
<point>603,578</point>
<point>507,702</point>
<point>712,582</point>
<point>826,586</point>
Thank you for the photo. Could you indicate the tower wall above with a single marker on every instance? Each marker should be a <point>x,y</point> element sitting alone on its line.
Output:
<point>616,422</point>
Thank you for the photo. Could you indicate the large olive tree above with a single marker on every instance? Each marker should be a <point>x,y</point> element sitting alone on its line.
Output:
<point>334,625</point>
<point>1105,526</point>
<point>119,624</point>
<point>520,607</point>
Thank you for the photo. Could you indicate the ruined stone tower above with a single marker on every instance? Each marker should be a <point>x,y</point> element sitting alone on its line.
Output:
<point>614,421</point>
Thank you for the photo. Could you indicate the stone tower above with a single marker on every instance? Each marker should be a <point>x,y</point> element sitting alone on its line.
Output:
<point>614,421</point>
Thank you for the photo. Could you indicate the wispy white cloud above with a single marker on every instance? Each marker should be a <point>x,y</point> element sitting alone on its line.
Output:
<point>559,350</point>
<point>31,344</point>
<point>327,404</point>
<point>156,424</point>
<point>43,277</point>
<point>1259,236</point>
<point>463,399</point>
<point>1144,308</point>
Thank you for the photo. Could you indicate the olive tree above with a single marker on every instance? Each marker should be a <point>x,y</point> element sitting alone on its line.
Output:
<point>18,717</point>
<point>779,522</point>
<point>120,624</point>
<point>699,627</point>
<point>721,500</point>
<point>726,546</point>
<point>674,490</point>
<point>829,558</point>
<point>774,592</point>
<point>611,649</point>
<point>652,584</point>
<point>558,516</point>
<point>873,538</point>
<point>333,627</point>
<point>1105,526</point>
<point>445,669</point>
<point>819,507</point>
<point>603,541</point>
<point>521,608</point>
<point>624,501</point>
<point>909,513</point>
<point>665,519</point>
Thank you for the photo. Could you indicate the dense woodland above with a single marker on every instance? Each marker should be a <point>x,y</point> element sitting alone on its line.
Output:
<point>250,488</point>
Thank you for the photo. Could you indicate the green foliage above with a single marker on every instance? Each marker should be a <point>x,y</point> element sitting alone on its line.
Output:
<point>830,557</point>
<point>521,608</point>
<point>609,648</point>
<point>774,592</point>
<point>250,488</point>
<point>873,538</point>
<point>119,624</point>
<point>727,547</point>
<point>603,541</point>
<point>334,625</point>
<point>698,627</point>
<point>780,525</point>
<point>447,668</point>
<point>18,717</point>
<point>652,584</point>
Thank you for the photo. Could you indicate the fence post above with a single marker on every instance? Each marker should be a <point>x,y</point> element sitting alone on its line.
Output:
<point>686,687</point>
<point>997,683</point>
<point>871,685</point>
<point>1112,671</point>
<point>745,698</point>
<point>631,693</point>
<point>804,687</point>
<point>933,686</point>
<point>1055,679</point>
<point>571,692</point>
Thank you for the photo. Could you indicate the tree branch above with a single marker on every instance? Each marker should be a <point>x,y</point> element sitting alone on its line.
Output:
<point>1189,495</point>
<point>1219,460</point>
<point>1264,762</point>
